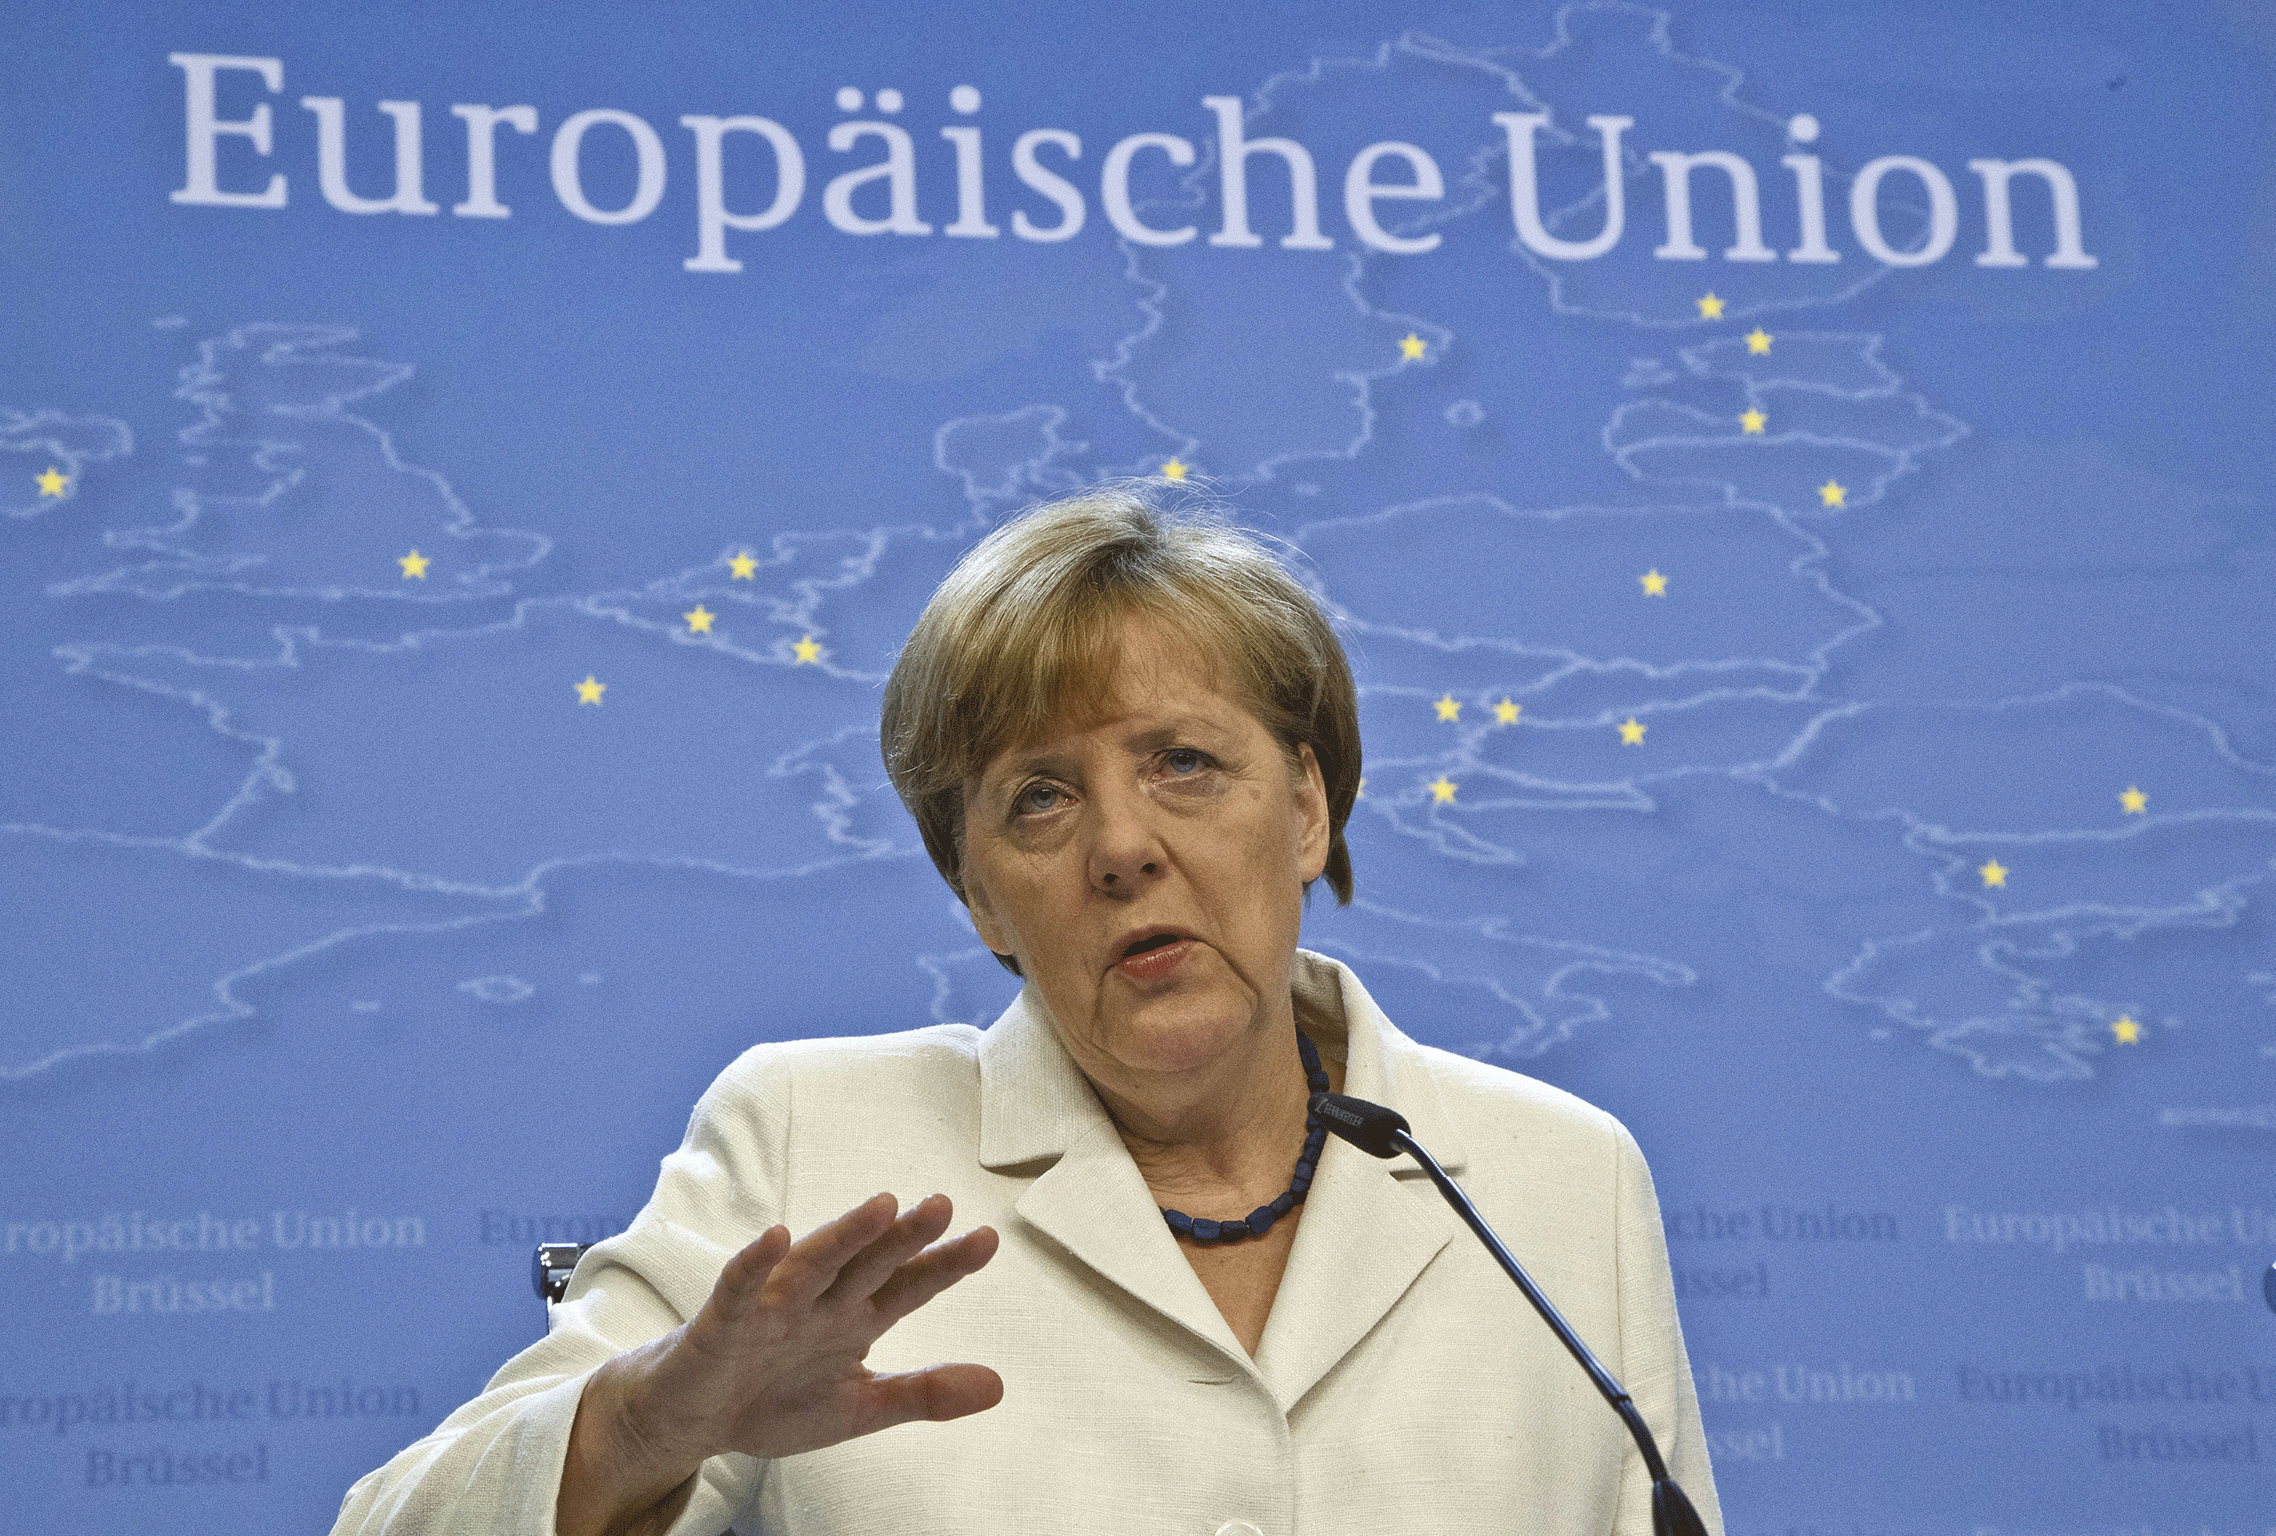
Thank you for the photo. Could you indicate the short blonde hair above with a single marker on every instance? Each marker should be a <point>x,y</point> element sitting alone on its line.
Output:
<point>1026,625</point>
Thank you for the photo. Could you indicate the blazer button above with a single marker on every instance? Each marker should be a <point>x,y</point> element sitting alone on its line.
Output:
<point>1238,1528</point>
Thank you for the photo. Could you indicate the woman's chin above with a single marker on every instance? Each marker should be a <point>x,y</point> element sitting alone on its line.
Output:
<point>1170,1020</point>
<point>1178,1034</point>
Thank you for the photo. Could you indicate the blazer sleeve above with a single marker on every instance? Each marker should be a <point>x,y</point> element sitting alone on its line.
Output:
<point>1653,1366</point>
<point>493,1468</point>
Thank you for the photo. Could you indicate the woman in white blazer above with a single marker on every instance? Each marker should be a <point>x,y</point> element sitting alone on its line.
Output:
<point>1130,741</point>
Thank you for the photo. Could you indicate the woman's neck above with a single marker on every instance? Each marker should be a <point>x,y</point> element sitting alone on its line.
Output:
<point>1227,1133</point>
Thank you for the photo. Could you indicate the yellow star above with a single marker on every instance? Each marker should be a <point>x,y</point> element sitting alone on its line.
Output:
<point>2127,1031</point>
<point>1710,308</point>
<point>1758,341</point>
<point>1994,873</point>
<point>2134,801</point>
<point>1442,790</point>
<point>1411,346</point>
<point>807,651</point>
<point>1448,708</point>
<point>1632,732</point>
<point>699,622</point>
<point>590,690</point>
<point>742,567</point>
<point>1752,420</point>
<point>1833,494</point>
<point>53,482</point>
<point>1506,712</point>
<point>1655,585</point>
<point>414,564</point>
<point>1173,470</point>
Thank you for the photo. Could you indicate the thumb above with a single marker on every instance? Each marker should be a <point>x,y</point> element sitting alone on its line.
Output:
<point>934,1394</point>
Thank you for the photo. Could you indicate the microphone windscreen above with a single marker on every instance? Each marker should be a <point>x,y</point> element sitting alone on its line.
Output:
<point>1366,1126</point>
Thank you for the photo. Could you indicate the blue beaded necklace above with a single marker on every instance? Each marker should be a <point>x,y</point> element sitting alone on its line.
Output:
<point>1259,1221</point>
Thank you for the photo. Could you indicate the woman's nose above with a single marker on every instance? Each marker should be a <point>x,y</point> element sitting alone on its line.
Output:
<point>1126,851</point>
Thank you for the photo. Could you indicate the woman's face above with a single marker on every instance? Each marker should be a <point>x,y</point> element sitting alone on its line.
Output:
<point>1147,869</point>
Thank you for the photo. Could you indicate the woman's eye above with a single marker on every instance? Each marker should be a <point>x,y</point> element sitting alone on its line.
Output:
<point>1184,760</point>
<point>1036,798</point>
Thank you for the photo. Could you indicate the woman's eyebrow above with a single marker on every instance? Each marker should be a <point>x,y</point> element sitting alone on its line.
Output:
<point>1162,733</point>
<point>1010,769</point>
<point>1151,736</point>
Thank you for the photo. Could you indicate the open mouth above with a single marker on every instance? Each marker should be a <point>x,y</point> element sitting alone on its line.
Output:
<point>1152,941</point>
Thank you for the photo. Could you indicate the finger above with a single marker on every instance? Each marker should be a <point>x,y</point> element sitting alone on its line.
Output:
<point>737,1290</point>
<point>933,1394</point>
<point>920,1225</point>
<point>815,1259</point>
<point>932,1272</point>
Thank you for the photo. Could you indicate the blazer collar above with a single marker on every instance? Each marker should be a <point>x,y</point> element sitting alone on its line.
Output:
<point>1035,1104</point>
<point>1380,1064</point>
<point>1034,1101</point>
<point>1368,1228</point>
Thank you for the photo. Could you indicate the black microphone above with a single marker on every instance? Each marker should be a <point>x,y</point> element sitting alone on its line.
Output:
<point>1381,1132</point>
<point>1366,1126</point>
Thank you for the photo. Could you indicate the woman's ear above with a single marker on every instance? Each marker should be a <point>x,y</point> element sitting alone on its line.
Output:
<point>1312,810</point>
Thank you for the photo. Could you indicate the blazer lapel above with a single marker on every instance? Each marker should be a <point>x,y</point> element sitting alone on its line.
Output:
<point>1370,1227</point>
<point>1091,1201</point>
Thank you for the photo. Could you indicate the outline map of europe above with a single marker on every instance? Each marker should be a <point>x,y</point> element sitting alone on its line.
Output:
<point>446,702</point>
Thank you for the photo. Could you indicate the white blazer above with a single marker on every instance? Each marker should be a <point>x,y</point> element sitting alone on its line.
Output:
<point>1403,1385</point>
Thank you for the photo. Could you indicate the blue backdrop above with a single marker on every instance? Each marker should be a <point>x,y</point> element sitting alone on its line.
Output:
<point>1792,479</point>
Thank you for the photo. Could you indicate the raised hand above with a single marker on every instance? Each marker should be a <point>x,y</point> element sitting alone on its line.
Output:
<point>772,1364</point>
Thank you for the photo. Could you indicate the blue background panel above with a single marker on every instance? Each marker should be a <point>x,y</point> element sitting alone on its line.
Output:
<point>1819,710</point>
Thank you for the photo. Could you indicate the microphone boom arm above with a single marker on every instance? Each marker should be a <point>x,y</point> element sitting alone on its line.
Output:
<point>1614,1393</point>
<point>1382,1132</point>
